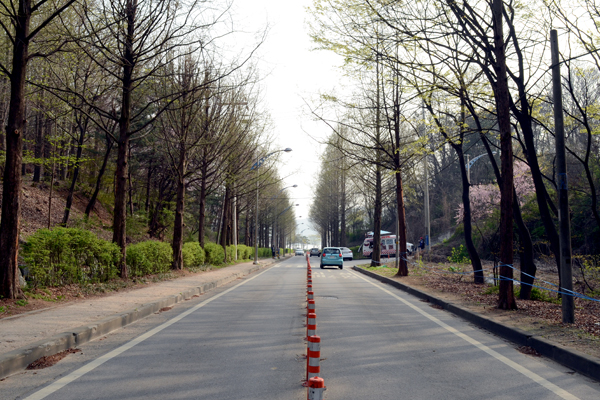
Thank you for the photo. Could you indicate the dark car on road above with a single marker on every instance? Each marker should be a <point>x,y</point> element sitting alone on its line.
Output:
<point>315,252</point>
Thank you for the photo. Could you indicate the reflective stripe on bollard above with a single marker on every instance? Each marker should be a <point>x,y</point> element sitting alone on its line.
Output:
<point>311,306</point>
<point>314,356</point>
<point>311,325</point>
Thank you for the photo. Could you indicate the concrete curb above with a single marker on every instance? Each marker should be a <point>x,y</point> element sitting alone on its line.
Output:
<point>584,364</point>
<point>17,360</point>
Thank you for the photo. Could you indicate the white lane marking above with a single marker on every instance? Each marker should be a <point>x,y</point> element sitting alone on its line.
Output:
<point>530,374</point>
<point>55,386</point>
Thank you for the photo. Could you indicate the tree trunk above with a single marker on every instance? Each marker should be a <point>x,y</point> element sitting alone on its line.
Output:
<point>506,298</point>
<point>376,254</point>
<point>148,180</point>
<point>39,148</point>
<point>119,217</point>
<point>179,207</point>
<point>247,240</point>
<point>401,215</point>
<point>11,189</point>
<point>401,246</point>
<point>120,211</point>
<point>225,224</point>
<point>526,254</point>
<point>467,224</point>
<point>202,212</point>
<point>527,265</point>
<point>82,130</point>
<point>344,240</point>
<point>92,203</point>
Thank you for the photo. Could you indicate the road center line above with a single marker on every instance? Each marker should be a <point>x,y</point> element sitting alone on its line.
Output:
<point>57,385</point>
<point>530,374</point>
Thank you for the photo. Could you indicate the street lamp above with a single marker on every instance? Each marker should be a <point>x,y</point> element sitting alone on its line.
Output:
<point>257,165</point>
<point>287,187</point>
<point>469,164</point>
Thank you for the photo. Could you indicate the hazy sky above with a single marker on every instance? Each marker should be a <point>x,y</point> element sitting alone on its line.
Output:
<point>293,74</point>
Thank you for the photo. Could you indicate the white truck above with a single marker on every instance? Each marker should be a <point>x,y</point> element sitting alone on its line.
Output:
<point>388,245</point>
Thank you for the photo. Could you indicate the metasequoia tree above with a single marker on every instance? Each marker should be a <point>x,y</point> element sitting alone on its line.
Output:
<point>327,213</point>
<point>359,35</point>
<point>22,22</point>
<point>180,131</point>
<point>133,41</point>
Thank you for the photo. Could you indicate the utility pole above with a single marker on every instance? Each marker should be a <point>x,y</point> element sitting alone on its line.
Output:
<point>566,275</point>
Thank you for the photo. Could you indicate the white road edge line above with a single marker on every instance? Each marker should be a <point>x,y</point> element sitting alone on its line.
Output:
<point>57,385</point>
<point>530,374</point>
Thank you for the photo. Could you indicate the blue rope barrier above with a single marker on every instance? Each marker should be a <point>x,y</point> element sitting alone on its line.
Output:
<point>560,290</point>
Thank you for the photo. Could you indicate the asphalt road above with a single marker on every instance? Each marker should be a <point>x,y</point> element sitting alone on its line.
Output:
<point>245,342</point>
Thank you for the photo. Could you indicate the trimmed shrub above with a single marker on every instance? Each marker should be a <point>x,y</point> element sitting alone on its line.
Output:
<point>193,255</point>
<point>64,256</point>
<point>214,253</point>
<point>149,257</point>
<point>230,253</point>
<point>242,252</point>
<point>264,252</point>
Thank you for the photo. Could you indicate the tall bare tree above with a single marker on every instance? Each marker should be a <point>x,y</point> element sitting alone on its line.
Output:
<point>19,29</point>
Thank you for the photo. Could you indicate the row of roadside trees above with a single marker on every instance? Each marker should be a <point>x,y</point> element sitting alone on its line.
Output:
<point>438,81</point>
<point>141,106</point>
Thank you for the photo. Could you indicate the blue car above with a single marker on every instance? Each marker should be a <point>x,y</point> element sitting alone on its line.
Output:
<point>332,256</point>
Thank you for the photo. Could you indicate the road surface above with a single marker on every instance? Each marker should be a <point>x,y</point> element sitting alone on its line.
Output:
<point>246,340</point>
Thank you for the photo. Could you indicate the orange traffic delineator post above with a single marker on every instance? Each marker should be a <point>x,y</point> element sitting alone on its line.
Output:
<point>309,288</point>
<point>311,325</point>
<point>311,306</point>
<point>316,388</point>
<point>310,296</point>
<point>314,357</point>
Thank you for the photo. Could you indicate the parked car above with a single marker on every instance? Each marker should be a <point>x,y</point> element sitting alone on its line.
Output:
<point>299,252</point>
<point>315,252</point>
<point>347,254</point>
<point>332,256</point>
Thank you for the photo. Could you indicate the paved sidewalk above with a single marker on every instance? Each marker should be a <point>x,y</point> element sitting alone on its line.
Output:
<point>25,338</point>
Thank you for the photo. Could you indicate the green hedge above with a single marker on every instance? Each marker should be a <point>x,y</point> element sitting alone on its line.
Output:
<point>215,255</point>
<point>149,257</point>
<point>230,253</point>
<point>264,252</point>
<point>245,252</point>
<point>68,255</point>
<point>193,255</point>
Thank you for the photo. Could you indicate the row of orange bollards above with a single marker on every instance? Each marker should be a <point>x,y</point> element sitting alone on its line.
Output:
<point>315,384</point>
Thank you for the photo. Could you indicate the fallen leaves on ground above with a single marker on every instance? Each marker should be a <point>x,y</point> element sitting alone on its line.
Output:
<point>48,361</point>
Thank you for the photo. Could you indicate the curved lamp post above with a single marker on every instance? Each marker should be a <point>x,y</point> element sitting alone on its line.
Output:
<point>470,164</point>
<point>256,166</point>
